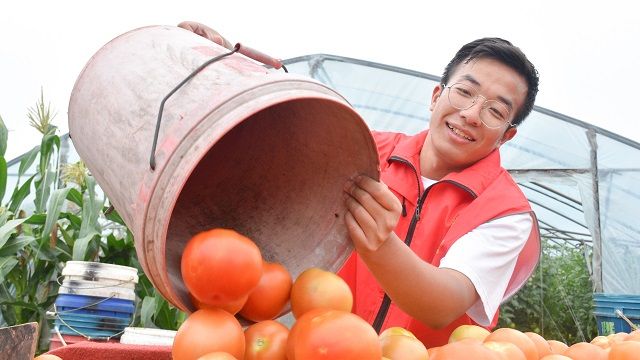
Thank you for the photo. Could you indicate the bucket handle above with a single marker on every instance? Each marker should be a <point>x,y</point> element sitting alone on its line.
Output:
<point>242,49</point>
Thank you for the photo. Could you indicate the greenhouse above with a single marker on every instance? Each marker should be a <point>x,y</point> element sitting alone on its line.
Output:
<point>581,180</point>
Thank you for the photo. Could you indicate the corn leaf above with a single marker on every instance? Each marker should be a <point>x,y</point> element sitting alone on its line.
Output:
<point>43,189</point>
<point>27,160</point>
<point>53,210</point>
<point>81,245</point>
<point>4,135</point>
<point>36,219</point>
<point>91,210</point>
<point>12,246</point>
<point>3,177</point>
<point>147,311</point>
<point>6,265</point>
<point>7,229</point>
<point>75,196</point>
<point>19,194</point>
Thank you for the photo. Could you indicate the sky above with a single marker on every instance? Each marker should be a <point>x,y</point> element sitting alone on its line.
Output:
<point>587,53</point>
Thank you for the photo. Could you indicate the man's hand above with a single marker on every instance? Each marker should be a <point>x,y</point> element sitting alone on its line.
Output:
<point>372,213</point>
<point>206,32</point>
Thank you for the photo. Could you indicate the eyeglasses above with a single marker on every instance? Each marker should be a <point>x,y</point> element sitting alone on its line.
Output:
<point>493,114</point>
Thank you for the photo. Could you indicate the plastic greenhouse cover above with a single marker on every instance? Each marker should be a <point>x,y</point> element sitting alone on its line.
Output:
<point>552,159</point>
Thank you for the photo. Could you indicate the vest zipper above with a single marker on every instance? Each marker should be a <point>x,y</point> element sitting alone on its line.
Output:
<point>386,300</point>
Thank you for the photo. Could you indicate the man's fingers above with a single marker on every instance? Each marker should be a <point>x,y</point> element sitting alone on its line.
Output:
<point>359,212</point>
<point>379,192</point>
<point>206,32</point>
<point>355,231</point>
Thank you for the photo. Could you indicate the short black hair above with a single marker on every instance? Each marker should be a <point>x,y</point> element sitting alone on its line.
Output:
<point>506,53</point>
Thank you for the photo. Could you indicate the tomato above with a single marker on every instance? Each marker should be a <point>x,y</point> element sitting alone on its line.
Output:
<point>47,357</point>
<point>231,307</point>
<point>403,347</point>
<point>266,340</point>
<point>218,355</point>
<point>516,337</point>
<point>208,330</point>
<point>271,295</point>
<point>316,288</point>
<point>322,334</point>
<point>465,349</point>
<point>220,266</point>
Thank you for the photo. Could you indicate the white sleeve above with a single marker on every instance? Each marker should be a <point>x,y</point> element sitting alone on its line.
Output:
<point>487,256</point>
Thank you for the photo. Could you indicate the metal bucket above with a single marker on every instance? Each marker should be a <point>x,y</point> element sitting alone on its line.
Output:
<point>239,146</point>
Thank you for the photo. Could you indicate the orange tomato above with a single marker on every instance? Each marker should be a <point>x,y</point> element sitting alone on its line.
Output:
<point>47,357</point>
<point>266,340</point>
<point>469,331</point>
<point>541,344</point>
<point>218,355</point>
<point>555,357</point>
<point>626,350</point>
<point>585,351</point>
<point>601,341</point>
<point>220,266</point>
<point>617,337</point>
<point>403,347</point>
<point>465,349</point>
<point>270,297</point>
<point>316,288</point>
<point>206,331</point>
<point>508,351</point>
<point>633,336</point>
<point>557,347</point>
<point>517,338</point>
<point>322,334</point>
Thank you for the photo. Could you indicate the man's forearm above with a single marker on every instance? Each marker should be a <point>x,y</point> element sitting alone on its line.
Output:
<point>432,295</point>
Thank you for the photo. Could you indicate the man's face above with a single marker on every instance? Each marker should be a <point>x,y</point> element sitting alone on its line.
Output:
<point>458,138</point>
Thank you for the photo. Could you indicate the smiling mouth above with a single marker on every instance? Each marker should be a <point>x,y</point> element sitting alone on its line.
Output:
<point>459,133</point>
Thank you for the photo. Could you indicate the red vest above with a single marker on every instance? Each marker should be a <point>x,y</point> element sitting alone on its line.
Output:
<point>450,208</point>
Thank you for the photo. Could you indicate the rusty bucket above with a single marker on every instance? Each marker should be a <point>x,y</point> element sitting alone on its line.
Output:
<point>238,146</point>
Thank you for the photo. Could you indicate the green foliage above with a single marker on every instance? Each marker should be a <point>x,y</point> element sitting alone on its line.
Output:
<point>68,223</point>
<point>557,301</point>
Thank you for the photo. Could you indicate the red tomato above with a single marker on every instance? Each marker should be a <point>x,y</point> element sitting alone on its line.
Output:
<point>266,340</point>
<point>217,356</point>
<point>270,297</point>
<point>322,334</point>
<point>206,331</point>
<point>220,266</point>
<point>231,307</point>
<point>316,288</point>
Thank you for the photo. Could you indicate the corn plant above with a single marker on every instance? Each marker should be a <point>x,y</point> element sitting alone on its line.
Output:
<point>68,220</point>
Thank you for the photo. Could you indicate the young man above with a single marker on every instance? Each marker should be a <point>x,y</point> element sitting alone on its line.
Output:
<point>446,235</point>
<point>450,235</point>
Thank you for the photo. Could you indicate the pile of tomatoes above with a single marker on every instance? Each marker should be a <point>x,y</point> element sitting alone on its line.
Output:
<point>227,278</point>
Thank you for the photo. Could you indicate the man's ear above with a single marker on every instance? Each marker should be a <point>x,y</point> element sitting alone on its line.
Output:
<point>435,95</point>
<point>508,135</point>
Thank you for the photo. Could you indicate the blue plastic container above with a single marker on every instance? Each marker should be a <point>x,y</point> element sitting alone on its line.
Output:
<point>82,304</point>
<point>96,319</point>
<point>91,325</point>
<point>89,332</point>
<point>606,306</point>
<point>92,316</point>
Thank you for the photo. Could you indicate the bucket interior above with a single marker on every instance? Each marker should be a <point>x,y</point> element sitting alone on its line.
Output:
<point>277,177</point>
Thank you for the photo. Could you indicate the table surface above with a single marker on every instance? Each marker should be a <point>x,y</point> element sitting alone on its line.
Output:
<point>112,351</point>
